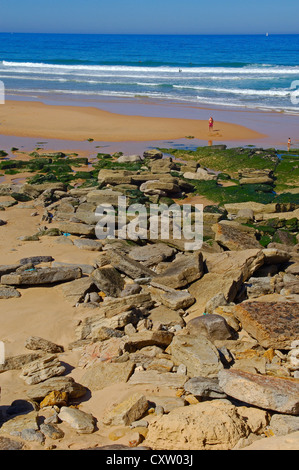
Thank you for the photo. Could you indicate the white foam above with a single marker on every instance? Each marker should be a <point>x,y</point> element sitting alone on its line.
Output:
<point>238,91</point>
<point>273,70</point>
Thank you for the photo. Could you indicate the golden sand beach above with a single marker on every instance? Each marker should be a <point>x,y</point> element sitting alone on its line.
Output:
<point>39,120</point>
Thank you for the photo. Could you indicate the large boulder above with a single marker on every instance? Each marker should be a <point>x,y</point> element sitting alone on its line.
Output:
<point>211,425</point>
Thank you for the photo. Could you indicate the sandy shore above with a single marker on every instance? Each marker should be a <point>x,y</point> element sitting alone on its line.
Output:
<point>36,119</point>
<point>43,311</point>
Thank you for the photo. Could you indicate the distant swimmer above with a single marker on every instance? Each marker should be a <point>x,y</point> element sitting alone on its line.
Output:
<point>211,124</point>
<point>180,70</point>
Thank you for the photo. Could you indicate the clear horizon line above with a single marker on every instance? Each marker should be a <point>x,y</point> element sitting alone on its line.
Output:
<point>152,34</point>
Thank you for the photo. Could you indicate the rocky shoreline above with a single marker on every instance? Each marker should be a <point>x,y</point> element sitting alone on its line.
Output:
<point>217,329</point>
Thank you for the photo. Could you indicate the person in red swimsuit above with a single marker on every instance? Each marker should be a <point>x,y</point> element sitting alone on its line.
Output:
<point>211,123</point>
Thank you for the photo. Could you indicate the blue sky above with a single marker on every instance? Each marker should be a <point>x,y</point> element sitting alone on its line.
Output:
<point>150,16</point>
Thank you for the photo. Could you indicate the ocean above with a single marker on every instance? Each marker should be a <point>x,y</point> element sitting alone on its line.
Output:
<point>254,72</point>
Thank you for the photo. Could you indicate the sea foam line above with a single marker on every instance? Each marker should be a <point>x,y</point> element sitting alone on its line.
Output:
<point>238,91</point>
<point>191,70</point>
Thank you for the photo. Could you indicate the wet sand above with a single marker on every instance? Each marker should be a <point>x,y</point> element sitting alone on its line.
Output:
<point>39,120</point>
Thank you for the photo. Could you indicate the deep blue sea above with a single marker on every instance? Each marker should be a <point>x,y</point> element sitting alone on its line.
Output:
<point>236,71</point>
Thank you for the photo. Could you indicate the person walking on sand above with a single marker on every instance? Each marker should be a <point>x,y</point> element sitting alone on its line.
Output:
<point>289,143</point>
<point>211,124</point>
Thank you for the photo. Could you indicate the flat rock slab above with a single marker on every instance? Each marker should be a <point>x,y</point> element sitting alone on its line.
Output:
<point>272,324</point>
<point>115,306</point>
<point>77,229</point>
<point>245,262</point>
<point>130,267</point>
<point>36,260</point>
<point>271,393</point>
<point>20,423</point>
<point>167,316</point>
<point>171,298</point>
<point>233,237</point>
<point>212,284</point>
<point>113,177</point>
<point>101,376</point>
<point>198,354</point>
<point>183,271</point>
<point>152,254</point>
<point>42,276</point>
<point>257,207</point>
<point>7,269</point>
<point>87,244</point>
<point>158,379</point>
<point>42,369</point>
<point>85,268</point>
